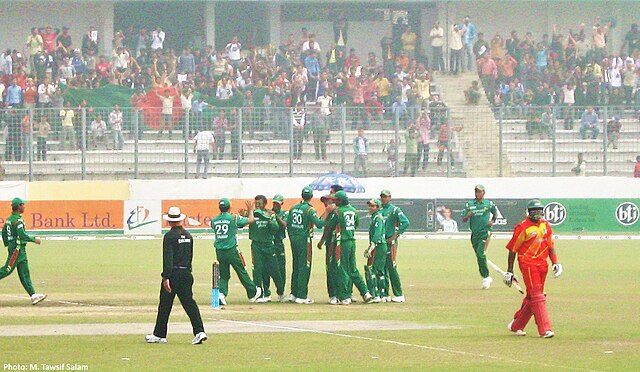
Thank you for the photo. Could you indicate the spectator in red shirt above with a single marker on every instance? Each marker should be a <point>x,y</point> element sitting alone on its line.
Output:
<point>29,94</point>
<point>49,38</point>
<point>636,169</point>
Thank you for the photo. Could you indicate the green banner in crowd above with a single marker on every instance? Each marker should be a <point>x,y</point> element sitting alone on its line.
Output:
<point>593,215</point>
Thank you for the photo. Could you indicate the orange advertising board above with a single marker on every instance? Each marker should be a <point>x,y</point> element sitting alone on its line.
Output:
<point>200,212</point>
<point>70,215</point>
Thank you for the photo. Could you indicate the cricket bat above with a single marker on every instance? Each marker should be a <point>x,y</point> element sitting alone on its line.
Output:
<point>215,285</point>
<point>501,272</point>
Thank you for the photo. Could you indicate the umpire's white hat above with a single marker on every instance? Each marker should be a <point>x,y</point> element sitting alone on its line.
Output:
<point>174,215</point>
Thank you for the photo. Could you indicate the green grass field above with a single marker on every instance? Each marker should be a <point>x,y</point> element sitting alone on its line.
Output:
<point>594,310</point>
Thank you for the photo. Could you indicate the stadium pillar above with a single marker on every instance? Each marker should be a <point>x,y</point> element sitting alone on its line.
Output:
<point>396,134</point>
<point>500,140</point>
<point>274,23</point>
<point>136,137</point>
<point>30,145</point>
<point>83,142</point>
<point>239,143</point>
<point>554,129</point>
<point>291,142</point>
<point>185,135</point>
<point>343,134</point>
<point>605,140</point>
<point>210,23</point>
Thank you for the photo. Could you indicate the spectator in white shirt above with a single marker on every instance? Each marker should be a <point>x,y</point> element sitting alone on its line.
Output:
<point>443,216</point>
<point>455,47</point>
<point>115,121</point>
<point>437,41</point>
<point>157,38</point>
<point>234,49</point>
<point>204,142</point>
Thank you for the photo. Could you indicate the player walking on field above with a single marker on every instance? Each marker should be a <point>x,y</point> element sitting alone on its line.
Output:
<point>263,251</point>
<point>376,254</point>
<point>177,256</point>
<point>481,215</point>
<point>533,243</point>
<point>225,227</point>
<point>278,240</point>
<point>300,222</point>
<point>15,239</point>
<point>396,223</point>
<point>345,222</point>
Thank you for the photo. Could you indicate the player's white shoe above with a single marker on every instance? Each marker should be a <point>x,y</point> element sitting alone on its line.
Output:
<point>292,298</point>
<point>257,296</point>
<point>346,301</point>
<point>201,336</point>
<point>518,332</point>
<point>153,339</point>
<point>304,301</point>
<point>353,299</point>
<point>486,282</point>
<point>397,299</point>
<point>386,299</point>
<point>376,300</point>
<point>263,300</point>
<point>37,298</point>
<point>222,299</point>
<point>333,301</point>
<point>548,334</point>
<point>282,298</point>
<point>367,298</point>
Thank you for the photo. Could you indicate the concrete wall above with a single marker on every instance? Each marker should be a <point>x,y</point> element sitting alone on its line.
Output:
<point>17,19</point>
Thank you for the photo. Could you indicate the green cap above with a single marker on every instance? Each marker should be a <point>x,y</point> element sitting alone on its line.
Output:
<point>277,198</point>
<point>341,195</point>
<point>375,202</point>
<point>479,187</point>
<point>17,201</point>
<point>307,190</point>
<point>534,204</point>
<point>385,192</point>
<point>225,203</point>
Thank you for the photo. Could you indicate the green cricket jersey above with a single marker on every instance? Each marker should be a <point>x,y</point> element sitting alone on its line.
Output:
<point>264,228</point>
<point>481,214</point>
<point>344,222</point>
<point>226,227</point>
<point>302,218</point>
<point>282,230</point>
<point>377,229</point>
<point>396,222</point>
<point>14,234</point>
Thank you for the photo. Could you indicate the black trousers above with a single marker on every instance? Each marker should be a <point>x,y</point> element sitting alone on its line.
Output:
<point>181,283</point>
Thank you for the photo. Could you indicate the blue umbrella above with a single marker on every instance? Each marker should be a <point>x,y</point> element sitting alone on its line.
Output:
<point>325,182</point>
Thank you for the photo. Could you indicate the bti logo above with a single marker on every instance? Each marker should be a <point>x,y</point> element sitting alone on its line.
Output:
<point>555,213</point>
<point>138,217</point>
<point>627,213</point>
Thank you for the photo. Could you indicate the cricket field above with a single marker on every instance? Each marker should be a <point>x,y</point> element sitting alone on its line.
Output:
<point>103,297</point>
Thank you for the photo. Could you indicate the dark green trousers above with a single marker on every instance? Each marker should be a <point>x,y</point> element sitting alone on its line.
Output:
<point>265,265</point>
<point>301,272</point>
<point>22,264</point>
<point>349,274</point>
<point>232,258</point>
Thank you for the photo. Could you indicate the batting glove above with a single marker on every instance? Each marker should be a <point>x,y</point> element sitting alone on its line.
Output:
<point>508,278</point>
<point>557,269</point>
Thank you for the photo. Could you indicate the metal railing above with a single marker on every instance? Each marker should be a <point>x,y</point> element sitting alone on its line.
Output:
<point>265,141</point>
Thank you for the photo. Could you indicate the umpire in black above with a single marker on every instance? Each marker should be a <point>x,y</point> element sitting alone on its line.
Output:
<point>177,254</point>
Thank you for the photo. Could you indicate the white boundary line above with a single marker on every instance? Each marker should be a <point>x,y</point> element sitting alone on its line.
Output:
<point>410,236</point>
<point>400,343</point>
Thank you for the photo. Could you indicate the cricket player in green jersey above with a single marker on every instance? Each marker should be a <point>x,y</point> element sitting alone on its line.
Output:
<point>15,238</point>
<point>481,215</point>
<point>396,223</point>
<point>225,227</point>
<point>278,241</point>
<point>328,237</point>
<point>376,254</point>
<point>300,223</point>
<point>345,222</point>
<point>263,251</point>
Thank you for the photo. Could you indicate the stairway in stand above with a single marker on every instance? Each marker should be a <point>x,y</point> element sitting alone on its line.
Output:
<point>480,138</point>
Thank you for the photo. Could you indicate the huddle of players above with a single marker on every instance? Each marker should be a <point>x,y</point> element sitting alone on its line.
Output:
<point>339,221</point>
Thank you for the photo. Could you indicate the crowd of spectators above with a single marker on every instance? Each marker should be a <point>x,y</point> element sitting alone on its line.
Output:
<point>294,74</point>
<point>567,70</point>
